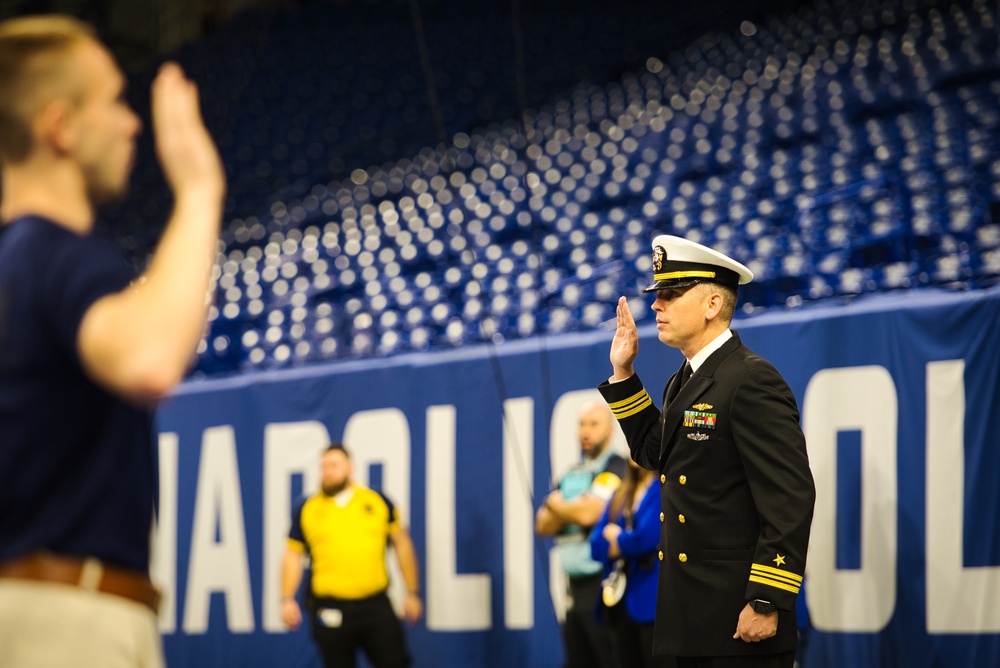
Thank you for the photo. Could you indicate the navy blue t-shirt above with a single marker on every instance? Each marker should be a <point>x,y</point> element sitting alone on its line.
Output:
<point>76,463</point>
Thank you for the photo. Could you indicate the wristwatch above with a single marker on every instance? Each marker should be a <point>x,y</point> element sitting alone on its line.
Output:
<point>762,607</point>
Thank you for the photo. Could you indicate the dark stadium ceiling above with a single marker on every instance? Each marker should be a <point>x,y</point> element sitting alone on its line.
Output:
<point>140,32</point>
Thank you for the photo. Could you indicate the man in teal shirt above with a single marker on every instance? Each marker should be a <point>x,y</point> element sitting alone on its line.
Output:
<point>568,513</point>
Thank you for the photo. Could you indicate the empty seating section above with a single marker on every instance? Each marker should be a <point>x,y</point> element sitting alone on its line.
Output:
<point>836,151</point>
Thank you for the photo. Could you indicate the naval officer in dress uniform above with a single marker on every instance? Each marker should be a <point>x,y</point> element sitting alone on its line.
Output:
<point>737,492</point>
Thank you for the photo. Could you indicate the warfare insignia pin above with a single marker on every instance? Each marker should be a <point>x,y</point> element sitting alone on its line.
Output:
<point>700,419</point>
<point>702,407</point>
<point>659,255</point>
<point>698,436</point>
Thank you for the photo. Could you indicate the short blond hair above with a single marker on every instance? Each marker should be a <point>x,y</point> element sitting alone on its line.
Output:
<point>34,53</point>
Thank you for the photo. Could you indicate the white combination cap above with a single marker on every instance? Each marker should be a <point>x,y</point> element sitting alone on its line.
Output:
<point>679,263</point>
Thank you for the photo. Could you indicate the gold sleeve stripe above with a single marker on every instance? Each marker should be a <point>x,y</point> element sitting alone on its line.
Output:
<point>777,578</point>
<point>625,402</point>
<point>772,571</point>
<point>683,274</point>
<point>648,402</point>
<point>632,405</point>
<point>774,583</point>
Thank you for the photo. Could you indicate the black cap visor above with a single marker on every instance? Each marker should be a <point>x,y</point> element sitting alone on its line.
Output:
<point>673,275</point>
<point>674,284</point>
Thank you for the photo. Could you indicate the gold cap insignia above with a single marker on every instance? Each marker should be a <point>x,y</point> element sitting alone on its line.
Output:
<point>659,255</point>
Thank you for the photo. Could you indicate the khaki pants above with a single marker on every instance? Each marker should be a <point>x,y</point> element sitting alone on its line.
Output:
<point>45,625</point>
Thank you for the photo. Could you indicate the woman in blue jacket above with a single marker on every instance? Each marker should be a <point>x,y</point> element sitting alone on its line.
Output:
<point>629,530</point>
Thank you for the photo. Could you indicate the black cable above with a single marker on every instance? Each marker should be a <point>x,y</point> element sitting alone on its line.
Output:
<point>527,133</point>
<point>519,76</point>
<point>425,62</point>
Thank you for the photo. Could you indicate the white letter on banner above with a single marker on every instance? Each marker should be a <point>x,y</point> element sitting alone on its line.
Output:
<point>382,436</point>
<point>289,448</point>
<point>558,585</point>
<point>518,528</point>
<point>853,399</point>
<point>959,599</point>
<point>163,556</point>
<point>218,566</point>
<point>455,602</point>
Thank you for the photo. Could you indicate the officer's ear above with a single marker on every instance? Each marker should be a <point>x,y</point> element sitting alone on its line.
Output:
<point>713,302</point>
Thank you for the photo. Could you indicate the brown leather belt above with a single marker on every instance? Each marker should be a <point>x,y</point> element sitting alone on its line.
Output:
<point>85,573</point>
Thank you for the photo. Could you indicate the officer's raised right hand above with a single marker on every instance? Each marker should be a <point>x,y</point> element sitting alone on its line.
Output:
<point>625,345</point>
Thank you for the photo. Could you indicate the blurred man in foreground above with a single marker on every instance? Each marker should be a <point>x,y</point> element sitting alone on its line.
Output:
<point>85,348</point>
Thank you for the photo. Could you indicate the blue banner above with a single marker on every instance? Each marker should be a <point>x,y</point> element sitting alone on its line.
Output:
<point>897,394</point>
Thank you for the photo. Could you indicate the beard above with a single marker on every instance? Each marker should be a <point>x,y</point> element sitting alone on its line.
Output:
<point>334,489</point>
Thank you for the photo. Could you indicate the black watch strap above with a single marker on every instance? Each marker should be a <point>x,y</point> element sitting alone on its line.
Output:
<point>762,607</point>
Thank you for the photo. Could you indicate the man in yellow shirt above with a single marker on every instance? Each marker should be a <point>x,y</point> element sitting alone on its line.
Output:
<point>344,529</point>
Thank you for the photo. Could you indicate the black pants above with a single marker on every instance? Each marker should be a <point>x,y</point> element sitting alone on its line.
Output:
<point>783,660</point>
<point>589,643</point>
<point>635,641</point>
<point>342,627</point>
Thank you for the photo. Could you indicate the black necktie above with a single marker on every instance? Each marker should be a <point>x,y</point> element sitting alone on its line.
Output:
<point>686,373</point>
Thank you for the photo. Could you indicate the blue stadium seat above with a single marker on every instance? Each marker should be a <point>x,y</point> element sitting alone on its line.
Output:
<point>835,156</point>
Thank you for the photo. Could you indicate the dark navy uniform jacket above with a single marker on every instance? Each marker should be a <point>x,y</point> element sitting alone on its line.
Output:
<point>737,497</point>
